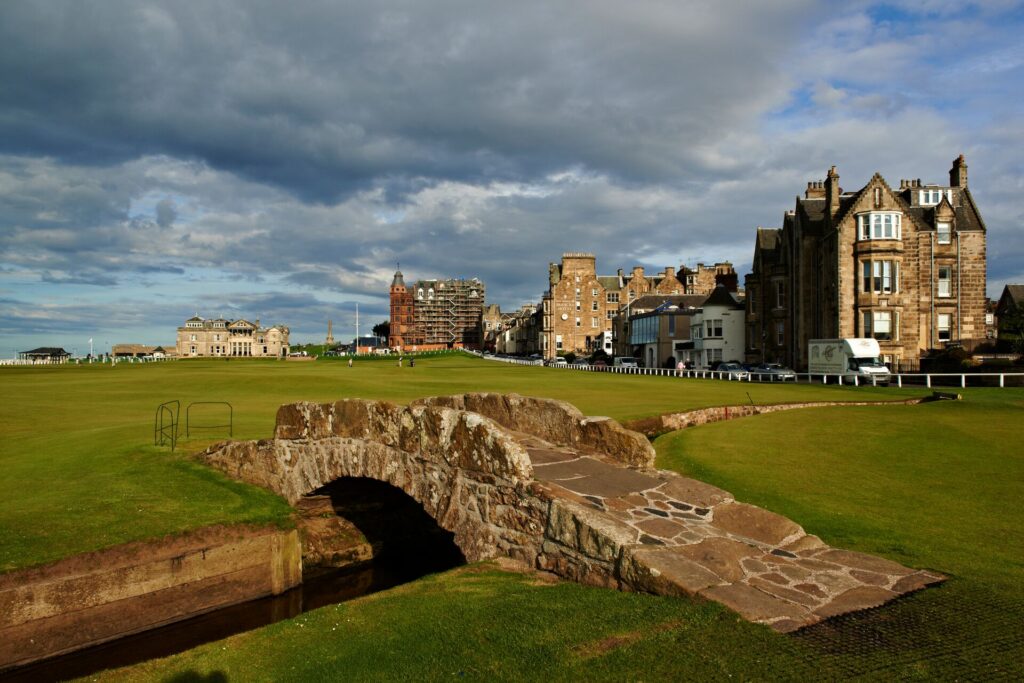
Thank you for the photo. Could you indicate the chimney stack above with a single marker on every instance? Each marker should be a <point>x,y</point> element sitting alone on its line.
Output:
<point>832,192</point>
<point>958,174</point>
<point>815,189</point>
<point>730,281</point>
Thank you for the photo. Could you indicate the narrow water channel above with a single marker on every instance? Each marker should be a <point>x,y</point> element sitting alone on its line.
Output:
<point>407,545</point>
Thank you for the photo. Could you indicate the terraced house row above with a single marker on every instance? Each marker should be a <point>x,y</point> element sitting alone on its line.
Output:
<point>905,266</point>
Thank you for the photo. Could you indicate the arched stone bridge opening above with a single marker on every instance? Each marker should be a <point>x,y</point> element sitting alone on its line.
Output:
<point>534,480</point>
<point>354,520</point>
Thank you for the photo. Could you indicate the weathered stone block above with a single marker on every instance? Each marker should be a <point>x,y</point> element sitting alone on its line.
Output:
<point>756,523</point>
<point>696,493</point>
<point>664,572</point>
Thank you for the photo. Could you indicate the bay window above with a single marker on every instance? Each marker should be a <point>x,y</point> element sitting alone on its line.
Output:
<point>880,277</point>
<point>879,225</point>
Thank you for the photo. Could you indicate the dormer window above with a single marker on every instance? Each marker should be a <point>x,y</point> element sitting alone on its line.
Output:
<point>419,294</point>
<point>430,293</point>
<point>943,232</point>
<point>879,225</point>
<point>931,197</point>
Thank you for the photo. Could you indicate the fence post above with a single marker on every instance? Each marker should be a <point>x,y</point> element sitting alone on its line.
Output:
<point>963,381</point>
<point>899,381</point>
<point>928,381</point>
<point>1001,376</point>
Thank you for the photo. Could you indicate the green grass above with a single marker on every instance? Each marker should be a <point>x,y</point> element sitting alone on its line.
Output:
<point>80,472</point>
<point>933,486</point>
<point>480,624</point>
<point>937,486</point>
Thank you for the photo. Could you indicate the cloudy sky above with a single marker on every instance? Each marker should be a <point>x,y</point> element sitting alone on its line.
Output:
<point>276,159</point>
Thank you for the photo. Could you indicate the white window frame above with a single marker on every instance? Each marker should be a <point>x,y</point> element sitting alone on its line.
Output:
<point>943,232</point>
<point>880,225</point>
<point>944,326</point>
<point>944,285</point>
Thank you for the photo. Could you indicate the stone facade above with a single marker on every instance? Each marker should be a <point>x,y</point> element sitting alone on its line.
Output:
<point>536,481</point>
<point>579,305</point>
<point>220,338</point>
<point>521,332</point>
<point>703,279</point>
<point>907,267</point>
<point>436,314</point>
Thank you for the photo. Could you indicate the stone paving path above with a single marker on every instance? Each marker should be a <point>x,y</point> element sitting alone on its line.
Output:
<point>691,538</point>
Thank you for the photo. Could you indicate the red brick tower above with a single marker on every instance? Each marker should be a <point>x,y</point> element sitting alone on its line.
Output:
<point>401,314</point>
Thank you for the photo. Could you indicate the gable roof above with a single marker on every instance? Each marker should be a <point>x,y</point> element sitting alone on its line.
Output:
<point>1013,295</point>
<point>722,297</point>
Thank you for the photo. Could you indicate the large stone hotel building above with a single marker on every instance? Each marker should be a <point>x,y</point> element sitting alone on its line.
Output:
<point>431,315</point>
<point>217,337</point>
<point>905,266</point>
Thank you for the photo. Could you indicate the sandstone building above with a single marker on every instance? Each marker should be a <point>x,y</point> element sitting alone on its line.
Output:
<point>579,305</point>
<point>436,314</point>
<point>703,279</point>
<point>905,266</point>
<point>201,337</point>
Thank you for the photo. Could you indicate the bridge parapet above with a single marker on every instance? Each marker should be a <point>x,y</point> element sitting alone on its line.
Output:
<point>556,422</point>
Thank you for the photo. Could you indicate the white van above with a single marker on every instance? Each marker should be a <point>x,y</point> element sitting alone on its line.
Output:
<point>849,358</point>
<point>625,362</point>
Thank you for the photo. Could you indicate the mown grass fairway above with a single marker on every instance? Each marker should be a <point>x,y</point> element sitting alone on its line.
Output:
<point>935,486</point>
<point>80,472</point>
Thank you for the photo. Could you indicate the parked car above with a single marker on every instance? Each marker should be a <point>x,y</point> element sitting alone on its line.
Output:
<point>625,362</point>
<point>558,361</point>
<point>772,372</point>
<point>600,364</point>
<point>581,362</point>
<point>733,371</point>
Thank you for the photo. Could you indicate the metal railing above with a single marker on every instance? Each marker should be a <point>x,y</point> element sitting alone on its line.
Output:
<point>961,379</point>
<point>188,418</point>
<point>165,424</point>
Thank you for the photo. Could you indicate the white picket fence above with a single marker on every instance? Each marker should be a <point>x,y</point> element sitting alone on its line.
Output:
<point>898,380</point>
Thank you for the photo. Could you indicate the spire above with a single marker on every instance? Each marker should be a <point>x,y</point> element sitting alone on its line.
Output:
<point>398,280</point>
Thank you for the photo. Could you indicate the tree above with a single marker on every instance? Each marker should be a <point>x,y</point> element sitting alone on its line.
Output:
<point>382,329</point>
<point>1011,327</point>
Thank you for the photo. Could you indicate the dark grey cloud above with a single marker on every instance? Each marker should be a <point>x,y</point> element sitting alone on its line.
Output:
<point>237,157</point>
<point>326,98</point>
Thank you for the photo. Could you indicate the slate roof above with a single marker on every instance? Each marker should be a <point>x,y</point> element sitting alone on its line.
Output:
<point>723,297</point>
<point>1013,295</point>
<point>47,351</point>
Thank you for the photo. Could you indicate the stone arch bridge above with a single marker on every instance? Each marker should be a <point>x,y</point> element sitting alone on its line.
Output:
<point>535,480</point>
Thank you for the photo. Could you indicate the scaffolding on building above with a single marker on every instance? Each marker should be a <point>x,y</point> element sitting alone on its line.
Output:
<point>448,313</point>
